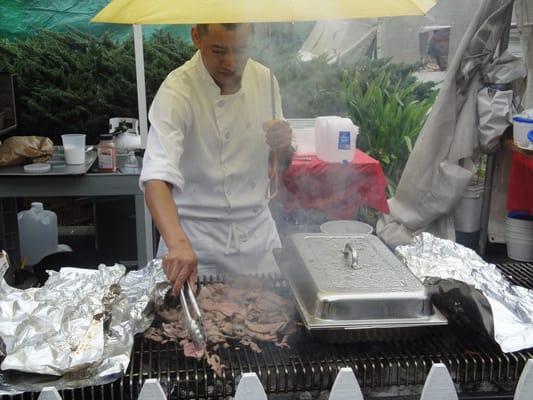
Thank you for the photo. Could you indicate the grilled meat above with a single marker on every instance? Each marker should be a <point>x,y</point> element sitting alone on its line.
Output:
<point>239,313</point>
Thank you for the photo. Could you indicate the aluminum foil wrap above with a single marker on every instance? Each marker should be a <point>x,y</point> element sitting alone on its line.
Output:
<point>78,327</point>
<point>504,310</point>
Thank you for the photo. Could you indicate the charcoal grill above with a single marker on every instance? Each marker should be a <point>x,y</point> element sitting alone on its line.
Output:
<point>475,363</point>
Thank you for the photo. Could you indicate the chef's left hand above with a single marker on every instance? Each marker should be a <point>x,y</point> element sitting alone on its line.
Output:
<point>278,136</point>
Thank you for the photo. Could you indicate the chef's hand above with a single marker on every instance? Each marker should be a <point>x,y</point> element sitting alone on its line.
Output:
<point>181,264</point>
<point>278,136</point>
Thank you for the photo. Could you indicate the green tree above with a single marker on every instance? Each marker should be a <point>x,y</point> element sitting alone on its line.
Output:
<point>75,81</point>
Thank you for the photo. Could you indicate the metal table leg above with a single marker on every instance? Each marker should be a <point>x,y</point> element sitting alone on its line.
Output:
<point>143,222</point>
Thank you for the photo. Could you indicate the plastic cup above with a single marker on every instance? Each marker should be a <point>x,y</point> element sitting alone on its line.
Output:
<point>522,124</point>
<point>74,148</point>
<point>346,227</point>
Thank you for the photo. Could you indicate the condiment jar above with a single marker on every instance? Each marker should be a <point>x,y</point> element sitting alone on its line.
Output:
<point>107,154</point>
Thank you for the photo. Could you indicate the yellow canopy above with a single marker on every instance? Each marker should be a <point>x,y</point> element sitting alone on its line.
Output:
<point>228,11</point>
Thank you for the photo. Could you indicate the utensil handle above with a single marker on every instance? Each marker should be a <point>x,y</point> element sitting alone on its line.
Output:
<point>193,302</point>
<point>349,251</point>
<point>184,307</point>
<point>274,178</point>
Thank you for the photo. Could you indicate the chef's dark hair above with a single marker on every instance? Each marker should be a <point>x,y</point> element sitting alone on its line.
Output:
<point>202,28</point>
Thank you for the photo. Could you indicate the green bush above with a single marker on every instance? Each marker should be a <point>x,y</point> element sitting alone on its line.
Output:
<point>390,108</point>
<point>75,81</point>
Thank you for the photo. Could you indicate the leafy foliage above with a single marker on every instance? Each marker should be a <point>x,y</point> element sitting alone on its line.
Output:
<point>75,81</point>
<point>390,108</point>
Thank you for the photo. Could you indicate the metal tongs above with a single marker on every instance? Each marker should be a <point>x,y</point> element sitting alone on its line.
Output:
<point>193,316</point>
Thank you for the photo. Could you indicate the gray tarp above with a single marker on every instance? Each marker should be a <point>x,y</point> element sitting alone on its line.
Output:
<point>442,162</point>
<point>504,77</point>
<point>524,21</point>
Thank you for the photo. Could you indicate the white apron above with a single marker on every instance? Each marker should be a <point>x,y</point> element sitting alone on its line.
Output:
<point>222,248</point>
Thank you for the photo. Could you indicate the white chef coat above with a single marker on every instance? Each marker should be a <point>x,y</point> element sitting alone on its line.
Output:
<point>212,149</point>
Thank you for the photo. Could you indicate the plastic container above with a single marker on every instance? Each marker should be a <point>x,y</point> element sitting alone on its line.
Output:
<point>303,133</point>
<point>522,124</point>
<point>519,236</point>
<point>335,139</point>
<point>467,214</point>
<point>107,154</point>
<point>346,227</point>
<point>519,224</point>
<point>131,165</point>
<point>37,233</point>
<point>519,249</point>
<point>74,148</point>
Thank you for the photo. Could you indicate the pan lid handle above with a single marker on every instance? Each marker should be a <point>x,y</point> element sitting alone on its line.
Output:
<point>350,253</point>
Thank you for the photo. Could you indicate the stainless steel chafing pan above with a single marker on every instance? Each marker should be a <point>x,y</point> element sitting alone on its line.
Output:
<point>353,282</point>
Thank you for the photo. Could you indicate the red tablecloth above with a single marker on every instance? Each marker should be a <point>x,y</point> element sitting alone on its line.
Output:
<point>520,192</point>
<point>337,189</point>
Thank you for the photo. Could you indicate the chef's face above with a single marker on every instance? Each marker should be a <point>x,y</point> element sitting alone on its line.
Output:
<point>225,51</point>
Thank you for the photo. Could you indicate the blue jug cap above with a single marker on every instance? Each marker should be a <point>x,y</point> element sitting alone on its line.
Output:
<point>523,119</point>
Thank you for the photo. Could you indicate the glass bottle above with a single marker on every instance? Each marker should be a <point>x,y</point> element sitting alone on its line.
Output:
<point>131,165</point>
<point>107,154</point>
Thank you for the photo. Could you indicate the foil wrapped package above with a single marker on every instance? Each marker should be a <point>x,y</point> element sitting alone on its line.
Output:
<point>78,328</point>
<point>473,290</point>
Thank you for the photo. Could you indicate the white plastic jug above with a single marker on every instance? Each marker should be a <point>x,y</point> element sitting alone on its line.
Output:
<point>37,233</point>
<point>335,139</point>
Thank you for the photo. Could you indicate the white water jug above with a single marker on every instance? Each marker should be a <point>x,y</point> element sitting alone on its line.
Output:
<point>37,233</point>
<point>335,139</point>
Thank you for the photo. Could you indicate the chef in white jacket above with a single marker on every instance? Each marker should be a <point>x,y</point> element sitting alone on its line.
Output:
<point>205,169</point>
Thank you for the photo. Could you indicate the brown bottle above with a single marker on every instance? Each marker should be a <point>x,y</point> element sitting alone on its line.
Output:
<point>107,154</point>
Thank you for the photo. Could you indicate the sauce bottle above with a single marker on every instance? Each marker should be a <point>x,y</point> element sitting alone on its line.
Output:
<point>107,154</point>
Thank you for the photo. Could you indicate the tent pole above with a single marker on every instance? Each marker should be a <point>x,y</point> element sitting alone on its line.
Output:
<point>274,178</point>
<point>141,87</point>
<point>145,239</point>
<point>491,164</point>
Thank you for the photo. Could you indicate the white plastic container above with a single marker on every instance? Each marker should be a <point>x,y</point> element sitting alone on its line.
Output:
<point>519,238</point>
<point>519,249</point>
<point>74,148</point>
<point>303,134</point>
<point>335,139</point>
<point>518,226</point>
<point>346,227</point>
<point>522,124</point>
<point>37,233</point>
<point>467,213</point>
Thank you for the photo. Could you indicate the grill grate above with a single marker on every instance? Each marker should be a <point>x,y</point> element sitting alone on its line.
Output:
<point>518,273</point>
<point>475,363</point>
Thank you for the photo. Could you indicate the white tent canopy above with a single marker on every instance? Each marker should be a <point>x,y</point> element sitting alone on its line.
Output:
<point>339,40</point>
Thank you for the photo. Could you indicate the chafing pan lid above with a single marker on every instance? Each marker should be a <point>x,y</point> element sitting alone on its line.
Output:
<point>374,270</point>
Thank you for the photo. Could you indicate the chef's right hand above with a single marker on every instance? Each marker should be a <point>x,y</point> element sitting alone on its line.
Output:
<point>181,264</point>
